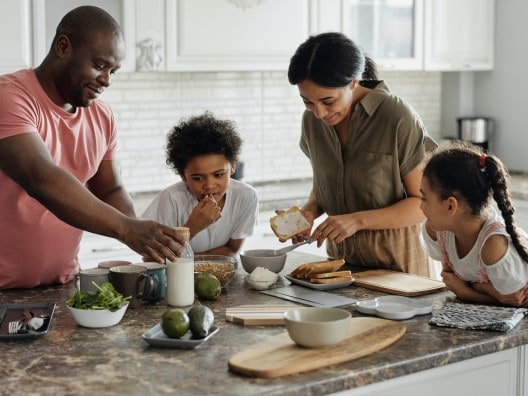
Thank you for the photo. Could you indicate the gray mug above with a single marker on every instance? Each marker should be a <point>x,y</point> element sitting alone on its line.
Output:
<point>132,280</point>
<point>159,279</point>
<point>85,278</point>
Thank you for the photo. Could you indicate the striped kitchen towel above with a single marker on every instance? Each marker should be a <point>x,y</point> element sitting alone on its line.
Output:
<point>478,317</point>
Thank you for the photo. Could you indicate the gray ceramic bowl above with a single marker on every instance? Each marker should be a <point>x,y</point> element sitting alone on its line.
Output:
<point>252,259</point>
<point>317,327</point>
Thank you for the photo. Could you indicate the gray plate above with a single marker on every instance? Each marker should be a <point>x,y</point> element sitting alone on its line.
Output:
<point>156,337</point>
<point>319,286</point>
<point>15,312</point>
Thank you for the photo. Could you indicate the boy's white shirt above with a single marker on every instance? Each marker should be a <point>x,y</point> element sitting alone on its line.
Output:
<point>174,204</point>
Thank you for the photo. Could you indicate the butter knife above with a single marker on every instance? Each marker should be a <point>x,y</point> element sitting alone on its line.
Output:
<point>2,314</point>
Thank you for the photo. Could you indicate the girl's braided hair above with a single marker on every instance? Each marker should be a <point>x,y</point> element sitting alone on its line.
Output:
<point>462,170</point>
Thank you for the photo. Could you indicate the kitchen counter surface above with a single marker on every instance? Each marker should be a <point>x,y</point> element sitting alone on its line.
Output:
<point>116,360</point>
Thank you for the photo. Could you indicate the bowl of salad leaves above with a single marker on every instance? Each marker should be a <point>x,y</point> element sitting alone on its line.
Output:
<point>103,308</point>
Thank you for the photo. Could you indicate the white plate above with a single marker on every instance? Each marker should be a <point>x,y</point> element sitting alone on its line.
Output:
<point>394,307</point>
<point>319,286</point>
<point>156,337</point>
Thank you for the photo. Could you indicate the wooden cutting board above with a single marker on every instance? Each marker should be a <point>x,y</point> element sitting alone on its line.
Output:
<point>278,356</point>
<point>255,314</point>
<point>399,283</point>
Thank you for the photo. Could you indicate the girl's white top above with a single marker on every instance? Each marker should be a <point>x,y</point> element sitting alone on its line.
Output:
<point>507,275</point>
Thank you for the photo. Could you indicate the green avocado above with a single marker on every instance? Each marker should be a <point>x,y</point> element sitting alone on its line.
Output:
<point>201,319</point>
<point>207,286</point>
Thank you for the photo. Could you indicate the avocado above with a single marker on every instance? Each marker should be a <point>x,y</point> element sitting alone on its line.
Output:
<point>207,286</point>
<point>201,319</point>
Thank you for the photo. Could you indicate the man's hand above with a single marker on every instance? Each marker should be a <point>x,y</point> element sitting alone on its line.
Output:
<point>153,241</point>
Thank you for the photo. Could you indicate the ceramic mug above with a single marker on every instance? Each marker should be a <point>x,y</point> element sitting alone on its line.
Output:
<point>159,278</point>
<point>112,263</point>
<point>87,276</point>
<point>132,280</point>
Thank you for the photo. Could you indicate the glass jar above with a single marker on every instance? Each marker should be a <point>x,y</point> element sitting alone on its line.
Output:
<point>180,274</point>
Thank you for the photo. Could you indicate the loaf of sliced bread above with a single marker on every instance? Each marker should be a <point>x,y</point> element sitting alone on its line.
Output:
<point>335,279</point>
<point>332,274</point>
<point>289,223</point>
<point>308,270</point>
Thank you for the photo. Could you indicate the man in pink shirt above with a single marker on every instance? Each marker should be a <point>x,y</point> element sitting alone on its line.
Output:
<point>58,174</point>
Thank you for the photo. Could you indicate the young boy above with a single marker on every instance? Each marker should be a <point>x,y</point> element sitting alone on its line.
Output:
<point>219,211</point>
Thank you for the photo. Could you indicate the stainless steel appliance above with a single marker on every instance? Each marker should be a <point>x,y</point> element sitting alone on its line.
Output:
<point>477,130</point>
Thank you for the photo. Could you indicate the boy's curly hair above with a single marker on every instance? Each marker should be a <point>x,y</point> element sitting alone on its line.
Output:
<point>201,135</point>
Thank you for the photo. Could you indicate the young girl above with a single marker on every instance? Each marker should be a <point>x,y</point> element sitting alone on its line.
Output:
<point>219,211</point>
<point>484,256</point>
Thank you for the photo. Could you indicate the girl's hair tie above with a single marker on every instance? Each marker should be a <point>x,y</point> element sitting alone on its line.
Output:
<point>482,162</point>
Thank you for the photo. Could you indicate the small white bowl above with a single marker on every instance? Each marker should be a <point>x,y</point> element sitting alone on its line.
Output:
<point>317,327</point>
<point>265,258</point>
<point>96,318</point>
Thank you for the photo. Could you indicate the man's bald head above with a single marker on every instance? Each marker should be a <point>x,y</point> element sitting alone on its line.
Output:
<point>83,23</point>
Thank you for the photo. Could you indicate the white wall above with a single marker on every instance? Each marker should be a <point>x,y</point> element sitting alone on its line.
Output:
<point>499,93</point>
<point>502,93</point>
<point>265,106</point>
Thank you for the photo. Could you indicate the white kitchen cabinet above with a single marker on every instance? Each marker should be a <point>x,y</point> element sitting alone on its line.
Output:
<point>211,35</point>
<point>459,35</point>
<point>15,35</point>
<point>489,375</point>
<point>48,13</point>
<point>389,31</point>
<point>523,366</point>
<point>430,35</point>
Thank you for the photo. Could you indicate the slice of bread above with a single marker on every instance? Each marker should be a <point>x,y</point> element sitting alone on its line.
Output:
<point>306,271</point>
<point>332,280</point>
<point>332,274</point>
<point>289,223</point>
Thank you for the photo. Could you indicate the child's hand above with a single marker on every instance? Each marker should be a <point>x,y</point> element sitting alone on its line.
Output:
<point>454,283</point>
<point>203,215</point>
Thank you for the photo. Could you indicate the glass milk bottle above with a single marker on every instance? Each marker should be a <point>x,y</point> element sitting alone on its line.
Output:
<point>180,275</point>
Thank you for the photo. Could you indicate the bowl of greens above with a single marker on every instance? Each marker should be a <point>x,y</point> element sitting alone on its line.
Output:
<point>102,308</point>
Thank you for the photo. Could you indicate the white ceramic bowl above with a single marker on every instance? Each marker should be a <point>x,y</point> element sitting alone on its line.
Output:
<point>252,259</point>
<point>317,327</point>
<point>97,317</point>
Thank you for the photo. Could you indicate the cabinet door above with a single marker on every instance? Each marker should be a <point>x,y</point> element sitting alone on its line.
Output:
<point>459,34</point>
<point>234,34</point>
<point>15,35</point>
<point>389,31</point>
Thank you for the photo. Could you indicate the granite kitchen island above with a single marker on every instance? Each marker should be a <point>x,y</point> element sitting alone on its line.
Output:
<point>72,360</point>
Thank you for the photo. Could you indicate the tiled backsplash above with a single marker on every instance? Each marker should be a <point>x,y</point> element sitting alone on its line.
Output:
<point>266,108</point>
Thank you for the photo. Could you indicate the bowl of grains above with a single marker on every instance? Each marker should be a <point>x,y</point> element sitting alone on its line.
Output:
<point>223,267</point>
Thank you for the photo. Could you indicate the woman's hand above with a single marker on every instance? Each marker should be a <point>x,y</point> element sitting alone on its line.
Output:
<point>336,228</point>
<point>310,217</point>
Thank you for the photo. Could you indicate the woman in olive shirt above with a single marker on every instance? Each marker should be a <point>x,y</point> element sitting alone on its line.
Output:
<point>365,146</point>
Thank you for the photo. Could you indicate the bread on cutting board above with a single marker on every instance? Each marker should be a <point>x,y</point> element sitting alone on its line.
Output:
<point>289,223</point>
